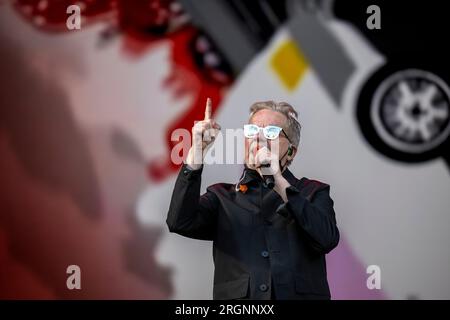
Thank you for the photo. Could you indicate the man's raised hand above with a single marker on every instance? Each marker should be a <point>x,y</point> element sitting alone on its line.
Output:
<point>204,133</point>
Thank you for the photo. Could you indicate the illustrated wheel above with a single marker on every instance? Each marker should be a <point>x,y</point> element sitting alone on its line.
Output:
<point>404,113</point>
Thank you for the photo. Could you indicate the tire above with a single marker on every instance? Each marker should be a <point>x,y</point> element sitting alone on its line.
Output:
<point>403,111</point>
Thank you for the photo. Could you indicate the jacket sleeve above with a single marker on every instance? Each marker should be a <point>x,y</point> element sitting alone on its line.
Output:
<point>315,217</point>
<point>190,214</point>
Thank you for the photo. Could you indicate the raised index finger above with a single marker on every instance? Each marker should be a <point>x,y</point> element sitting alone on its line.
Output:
<point>208,109</point>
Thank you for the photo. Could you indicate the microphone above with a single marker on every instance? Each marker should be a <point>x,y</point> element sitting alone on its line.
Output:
<point>268,179</point>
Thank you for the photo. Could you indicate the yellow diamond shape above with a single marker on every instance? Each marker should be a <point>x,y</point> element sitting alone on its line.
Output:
<point>289,64</point>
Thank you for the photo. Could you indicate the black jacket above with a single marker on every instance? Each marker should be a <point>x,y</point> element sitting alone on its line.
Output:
<point>262,247</point>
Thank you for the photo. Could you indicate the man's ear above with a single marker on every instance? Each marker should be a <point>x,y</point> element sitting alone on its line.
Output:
<point>292,151</point>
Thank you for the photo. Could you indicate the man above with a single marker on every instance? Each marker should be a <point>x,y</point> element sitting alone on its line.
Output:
<point>268,243</point>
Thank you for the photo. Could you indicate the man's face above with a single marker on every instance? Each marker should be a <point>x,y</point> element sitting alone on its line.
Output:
<point>263,118</point>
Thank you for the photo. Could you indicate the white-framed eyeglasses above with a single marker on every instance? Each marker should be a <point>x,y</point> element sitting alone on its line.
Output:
<point>270,132</point>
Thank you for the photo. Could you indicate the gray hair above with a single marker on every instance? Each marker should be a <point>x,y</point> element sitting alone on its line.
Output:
<point>292,128</point>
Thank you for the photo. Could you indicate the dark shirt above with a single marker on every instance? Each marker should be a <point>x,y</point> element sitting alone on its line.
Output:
<point>263,248</point>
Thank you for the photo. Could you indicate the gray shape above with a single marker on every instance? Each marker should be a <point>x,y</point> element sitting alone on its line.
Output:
<point>326,55</point>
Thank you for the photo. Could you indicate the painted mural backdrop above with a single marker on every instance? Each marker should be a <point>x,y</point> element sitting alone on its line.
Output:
<point>87,115</point>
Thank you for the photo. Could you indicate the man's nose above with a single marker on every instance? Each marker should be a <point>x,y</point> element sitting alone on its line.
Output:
<point>261,137</point>
<point>261,140</point>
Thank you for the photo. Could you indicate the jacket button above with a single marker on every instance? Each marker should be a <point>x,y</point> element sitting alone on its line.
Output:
<point>264,254</point>
<point>186,172</point>
<point>263,287</point>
